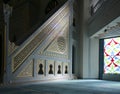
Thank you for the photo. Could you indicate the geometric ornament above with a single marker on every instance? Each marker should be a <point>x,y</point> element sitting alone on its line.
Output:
<point>60,44</point>
<point>27,71</point>
<point>112,55</point>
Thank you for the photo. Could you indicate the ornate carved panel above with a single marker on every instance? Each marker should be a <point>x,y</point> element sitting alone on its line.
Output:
<point>27,71</point>
<point>59,46</point>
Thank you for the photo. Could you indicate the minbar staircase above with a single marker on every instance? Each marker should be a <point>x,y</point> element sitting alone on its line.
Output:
<point>45,55</point>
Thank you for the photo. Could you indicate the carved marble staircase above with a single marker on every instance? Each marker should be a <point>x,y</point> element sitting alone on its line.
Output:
<point>45,55</point>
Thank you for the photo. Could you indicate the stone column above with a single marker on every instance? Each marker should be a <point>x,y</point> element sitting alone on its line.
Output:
<point>1,35</point>
<point>7,12</point>
<point>70,35</point>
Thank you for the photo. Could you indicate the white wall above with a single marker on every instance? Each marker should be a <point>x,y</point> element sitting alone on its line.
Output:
<point>87,58</point>
<point>94,58</point>
<point>105,15</point>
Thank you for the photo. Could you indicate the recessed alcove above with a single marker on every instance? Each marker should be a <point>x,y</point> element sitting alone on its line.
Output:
<point>41,69</point>
<point>59,69</point>
<point>50,69</point>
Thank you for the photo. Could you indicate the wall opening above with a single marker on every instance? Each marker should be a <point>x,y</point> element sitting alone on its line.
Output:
<point>110,58</point>
<point>1,60</point>
<point>101,58</point>
<point>73,59</point>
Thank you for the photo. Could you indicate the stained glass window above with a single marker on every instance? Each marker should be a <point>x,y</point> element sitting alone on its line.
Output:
<point>112,55</point>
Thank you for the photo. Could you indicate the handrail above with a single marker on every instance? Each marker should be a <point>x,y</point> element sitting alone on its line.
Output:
<point>39,36</point>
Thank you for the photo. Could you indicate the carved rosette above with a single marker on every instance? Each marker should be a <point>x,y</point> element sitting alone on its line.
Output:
<point>59,46</point>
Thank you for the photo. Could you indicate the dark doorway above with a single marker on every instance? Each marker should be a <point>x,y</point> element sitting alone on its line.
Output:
<point>73,59</point>
<point>101,58</point>
<point>1,59</point>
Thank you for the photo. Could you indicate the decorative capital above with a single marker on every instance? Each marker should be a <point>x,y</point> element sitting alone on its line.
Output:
<point>7,12</point>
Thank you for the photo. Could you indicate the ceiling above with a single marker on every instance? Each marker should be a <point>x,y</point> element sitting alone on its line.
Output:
<point>110,30</point>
